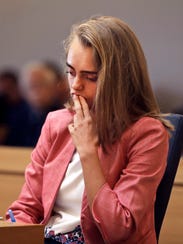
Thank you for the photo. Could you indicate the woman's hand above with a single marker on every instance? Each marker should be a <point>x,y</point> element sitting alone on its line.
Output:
<point>83,130</point>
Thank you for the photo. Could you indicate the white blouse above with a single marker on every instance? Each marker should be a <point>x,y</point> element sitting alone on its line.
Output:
<point>67,207</point>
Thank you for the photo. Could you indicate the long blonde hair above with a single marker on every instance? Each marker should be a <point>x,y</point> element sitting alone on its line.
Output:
<point>124,93</point>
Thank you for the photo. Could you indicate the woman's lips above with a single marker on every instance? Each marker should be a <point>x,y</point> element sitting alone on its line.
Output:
<point>87,100</point>
<point>75,94</point>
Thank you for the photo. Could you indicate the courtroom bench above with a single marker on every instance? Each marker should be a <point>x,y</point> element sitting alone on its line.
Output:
<point>13,161</point>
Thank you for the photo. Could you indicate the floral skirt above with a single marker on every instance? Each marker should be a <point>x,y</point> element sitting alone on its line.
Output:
<point>73,237</point>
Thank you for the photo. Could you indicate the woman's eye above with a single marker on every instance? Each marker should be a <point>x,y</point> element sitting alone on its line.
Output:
<point>70,72</point>
<point>92,78</point>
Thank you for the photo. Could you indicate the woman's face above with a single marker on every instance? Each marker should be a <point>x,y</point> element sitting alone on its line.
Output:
<point>82,71</point>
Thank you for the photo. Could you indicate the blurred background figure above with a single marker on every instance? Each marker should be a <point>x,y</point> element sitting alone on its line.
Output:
<point>63,90</point>
<point>14,110</point>
<point>46,89</point>
<point>25,102</point>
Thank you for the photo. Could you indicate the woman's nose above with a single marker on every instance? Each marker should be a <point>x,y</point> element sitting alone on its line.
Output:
<point>77,84</point>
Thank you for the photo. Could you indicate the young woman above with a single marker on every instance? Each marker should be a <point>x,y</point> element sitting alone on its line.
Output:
<point>95,170</point>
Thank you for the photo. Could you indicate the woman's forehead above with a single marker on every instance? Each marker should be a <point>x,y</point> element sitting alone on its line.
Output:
<point>81,56</point>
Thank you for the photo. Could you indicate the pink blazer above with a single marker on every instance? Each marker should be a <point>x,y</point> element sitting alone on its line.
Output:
<point>123,209</point>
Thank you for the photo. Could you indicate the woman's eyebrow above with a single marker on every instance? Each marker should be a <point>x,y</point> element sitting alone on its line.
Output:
<point>89,72</point>
<point>70,66</point>
<point>83,71</point>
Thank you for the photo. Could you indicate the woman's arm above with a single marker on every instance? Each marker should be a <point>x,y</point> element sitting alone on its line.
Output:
<point>28,207</point>
<point>85,139</point>
<point>129,204</point>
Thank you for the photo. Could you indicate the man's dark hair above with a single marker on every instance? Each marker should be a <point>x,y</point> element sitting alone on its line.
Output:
<point>9,74</point>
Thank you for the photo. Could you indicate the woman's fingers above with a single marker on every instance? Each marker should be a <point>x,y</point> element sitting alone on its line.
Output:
<point>84,106</point>
<point>77,107</point>
<point>80,107</point>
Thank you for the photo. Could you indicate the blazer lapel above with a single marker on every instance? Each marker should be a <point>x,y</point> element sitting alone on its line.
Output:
<point>54,172</point>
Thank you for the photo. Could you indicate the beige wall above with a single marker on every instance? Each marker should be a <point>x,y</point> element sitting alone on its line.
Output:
<point>34,29</point>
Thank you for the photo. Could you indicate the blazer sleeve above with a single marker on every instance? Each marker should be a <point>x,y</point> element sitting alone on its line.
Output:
<point>28,207</point>
<point>120,210</point>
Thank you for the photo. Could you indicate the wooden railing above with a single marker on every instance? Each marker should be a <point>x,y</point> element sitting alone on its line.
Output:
<point>172,232</point>
<point>13,161</point>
